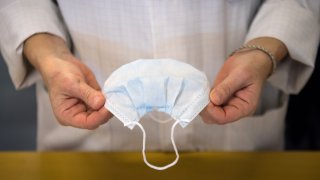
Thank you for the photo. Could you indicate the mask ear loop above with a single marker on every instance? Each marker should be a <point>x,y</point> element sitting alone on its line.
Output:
<point>144,149</point>
<point>157,120</point>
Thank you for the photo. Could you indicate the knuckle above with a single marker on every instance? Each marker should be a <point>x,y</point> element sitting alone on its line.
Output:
<point>221,93</point>
<point>65,79</point>
<point>60,115</point>
<point>85,93</point>
<point>221,121</point>
<point>248,74</point>
<point>214,119</point>
<point>61,121</point>
<point>249,109</point>
<point>87,125</point>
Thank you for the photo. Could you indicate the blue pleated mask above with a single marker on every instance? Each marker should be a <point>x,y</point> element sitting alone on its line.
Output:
<point>165,85</point>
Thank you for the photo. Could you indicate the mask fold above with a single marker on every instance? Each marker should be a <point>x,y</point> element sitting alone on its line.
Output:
<point>164,85</point>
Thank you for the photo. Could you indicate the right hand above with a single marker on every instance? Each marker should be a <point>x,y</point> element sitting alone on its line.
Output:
<point>75,94</point>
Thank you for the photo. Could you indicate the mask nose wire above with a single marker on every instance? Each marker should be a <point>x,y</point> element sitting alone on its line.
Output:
<point>144,148</point>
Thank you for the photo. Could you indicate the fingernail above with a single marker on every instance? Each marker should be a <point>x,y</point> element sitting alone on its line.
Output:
<point>211,95</point>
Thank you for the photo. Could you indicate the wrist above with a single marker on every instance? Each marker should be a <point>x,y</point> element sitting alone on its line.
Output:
<point>259,52</point>
<point>41,48</point>
<point>253,61</point>
<point>265,51</point>
<point>276,47</point>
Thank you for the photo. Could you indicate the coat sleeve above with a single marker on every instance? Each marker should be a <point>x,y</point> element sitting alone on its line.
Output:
<point>296,23</point>
<point>21,19</point>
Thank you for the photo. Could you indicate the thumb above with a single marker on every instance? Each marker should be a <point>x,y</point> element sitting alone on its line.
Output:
<point>90,96</point>
<point>224,90</point>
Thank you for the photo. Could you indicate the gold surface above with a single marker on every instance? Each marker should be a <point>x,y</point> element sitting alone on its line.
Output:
<point>130,166</point>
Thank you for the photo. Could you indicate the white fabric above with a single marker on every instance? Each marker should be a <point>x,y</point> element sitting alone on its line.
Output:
<point>288,78</point>
<point>20,20</point>
<point>109,33</point>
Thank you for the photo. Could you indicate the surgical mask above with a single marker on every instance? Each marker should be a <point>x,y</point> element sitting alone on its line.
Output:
<point>166,85</point>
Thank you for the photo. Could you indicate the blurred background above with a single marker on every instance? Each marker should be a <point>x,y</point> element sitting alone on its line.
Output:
<point>18,115</point>
<point>303,116</point>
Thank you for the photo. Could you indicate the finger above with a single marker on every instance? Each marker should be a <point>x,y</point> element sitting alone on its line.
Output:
<point>99,117</point>
<point>225,89</point>
<point>91,79</point>
<point>90,120</point>
<point>93,98</point>
<point>236,109</point>
<point>70,107</point>
<point>78,115</point>
<point>89,76</point>
<point>213,114</point>
<point>205,115</point>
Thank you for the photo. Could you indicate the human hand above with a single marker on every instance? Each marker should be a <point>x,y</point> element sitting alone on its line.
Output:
<point>75,95</point>
<point>237,87</point>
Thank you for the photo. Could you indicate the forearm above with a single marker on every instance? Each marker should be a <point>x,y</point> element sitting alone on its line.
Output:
<point>43,47</point>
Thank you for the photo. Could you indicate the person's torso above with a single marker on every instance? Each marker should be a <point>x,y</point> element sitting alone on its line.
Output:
<point>109,33</point>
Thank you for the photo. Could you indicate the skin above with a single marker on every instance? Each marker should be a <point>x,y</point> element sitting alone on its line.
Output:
<point>237,87</point>
<point>75,95</point>
<point>77,100</point>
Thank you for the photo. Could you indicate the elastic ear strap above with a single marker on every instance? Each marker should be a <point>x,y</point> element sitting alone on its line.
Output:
<point>144,149</point>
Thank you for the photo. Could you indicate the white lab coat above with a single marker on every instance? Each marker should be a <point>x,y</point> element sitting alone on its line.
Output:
<point>106,34</point>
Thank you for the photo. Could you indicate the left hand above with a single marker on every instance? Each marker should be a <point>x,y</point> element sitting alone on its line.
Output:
<point>237,87</point>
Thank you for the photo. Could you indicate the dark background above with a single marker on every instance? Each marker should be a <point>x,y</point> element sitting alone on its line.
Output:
<point>303,117</point>
<point>18,115</point>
